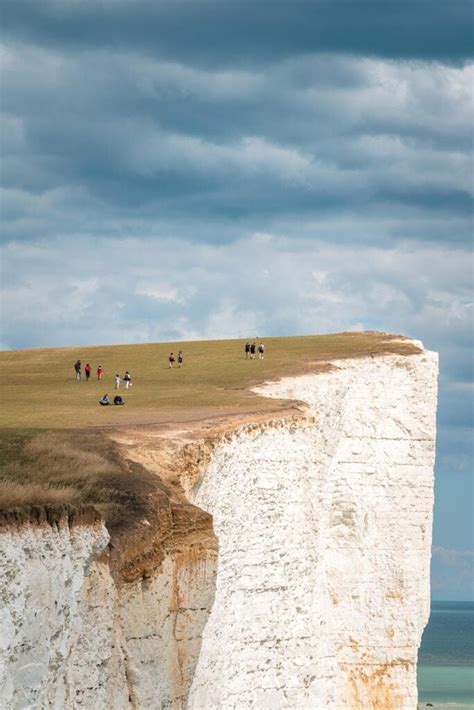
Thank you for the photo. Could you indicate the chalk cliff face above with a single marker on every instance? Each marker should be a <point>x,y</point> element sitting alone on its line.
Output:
<point>322,586</point>
<point>324,535</point>
<point>74,638</point>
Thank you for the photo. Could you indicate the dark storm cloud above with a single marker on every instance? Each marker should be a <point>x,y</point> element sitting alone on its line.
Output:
<point>111,142</point>
<point>245,31</point>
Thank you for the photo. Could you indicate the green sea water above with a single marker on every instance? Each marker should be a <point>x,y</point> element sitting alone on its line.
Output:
<point>446,657</point>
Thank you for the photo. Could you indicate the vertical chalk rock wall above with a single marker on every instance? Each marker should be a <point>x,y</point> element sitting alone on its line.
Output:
<point>324,535</point>
<point>162,618</point>
<point>71,638</point>
<point>45,568</point>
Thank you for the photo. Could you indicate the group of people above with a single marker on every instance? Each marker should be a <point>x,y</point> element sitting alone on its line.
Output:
<point>172,359</point>
<point>104,401</point>
<point>127,378</point>
<point>87,371</point>
<point>251,349</point>
<point>118,400</point>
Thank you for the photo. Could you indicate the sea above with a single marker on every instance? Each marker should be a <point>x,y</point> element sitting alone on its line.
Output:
<point>446,658</point>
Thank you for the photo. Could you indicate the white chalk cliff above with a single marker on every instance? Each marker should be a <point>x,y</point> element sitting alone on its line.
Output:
<point>320,593</point>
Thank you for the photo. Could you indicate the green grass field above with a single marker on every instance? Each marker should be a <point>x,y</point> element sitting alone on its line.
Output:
<point>39,390</point>
<point>53,443</point>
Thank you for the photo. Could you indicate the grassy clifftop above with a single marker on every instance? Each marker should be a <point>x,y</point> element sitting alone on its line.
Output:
<point>38,387</point>
<point>53,443</point>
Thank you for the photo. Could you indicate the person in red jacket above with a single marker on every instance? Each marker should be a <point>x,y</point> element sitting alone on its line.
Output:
<point>100,372</point>
<point>88,370</point>
<point>171,359</point>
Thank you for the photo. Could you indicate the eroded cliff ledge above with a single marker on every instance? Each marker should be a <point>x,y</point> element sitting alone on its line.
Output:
<point>320,591</point>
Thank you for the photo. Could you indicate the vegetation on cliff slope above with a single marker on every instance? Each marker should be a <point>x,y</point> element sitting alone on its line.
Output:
<point>69,467</point>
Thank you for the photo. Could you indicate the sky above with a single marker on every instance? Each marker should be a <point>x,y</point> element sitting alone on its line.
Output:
<point>186,169</point>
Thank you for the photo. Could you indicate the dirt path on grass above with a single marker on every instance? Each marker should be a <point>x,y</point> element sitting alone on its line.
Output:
<point>177,450</point>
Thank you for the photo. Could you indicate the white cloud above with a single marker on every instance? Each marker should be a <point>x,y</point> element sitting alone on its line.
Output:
<point>163,293</point>
<point>273,283</point>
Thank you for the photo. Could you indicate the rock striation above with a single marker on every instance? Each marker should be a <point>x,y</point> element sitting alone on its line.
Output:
<point>318,596</point>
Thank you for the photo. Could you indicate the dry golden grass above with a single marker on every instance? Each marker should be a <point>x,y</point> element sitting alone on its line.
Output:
<point>18,495</point>
<point>73,467</point>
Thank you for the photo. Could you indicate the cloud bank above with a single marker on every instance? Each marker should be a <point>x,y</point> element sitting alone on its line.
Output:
<point>110,143</point>
<point>243,31</point>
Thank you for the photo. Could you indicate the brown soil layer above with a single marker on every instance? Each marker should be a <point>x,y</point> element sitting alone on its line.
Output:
<point>52,515</point>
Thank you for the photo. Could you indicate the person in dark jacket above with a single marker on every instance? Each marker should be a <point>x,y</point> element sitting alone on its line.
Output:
<point>77,368</point>
<point>118,400</point>
<point>253,348</point>
<point>247,350</point>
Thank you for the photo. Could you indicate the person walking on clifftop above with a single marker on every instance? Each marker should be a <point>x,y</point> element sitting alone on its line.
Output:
<point>77,368</point>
